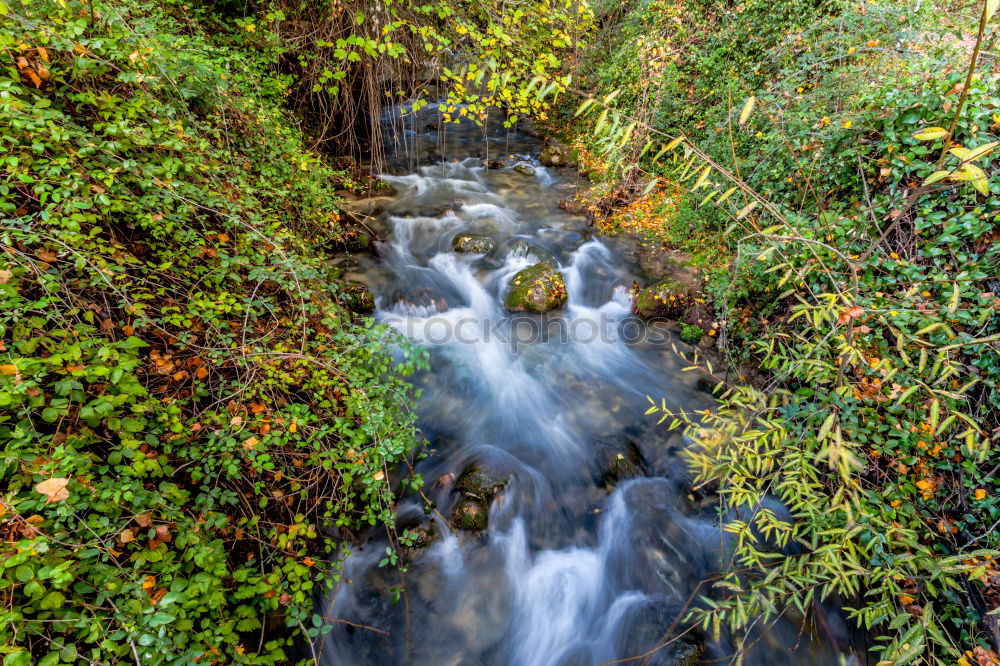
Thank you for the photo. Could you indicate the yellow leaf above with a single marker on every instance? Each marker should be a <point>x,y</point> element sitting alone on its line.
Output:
<point>127,536</point>
<point>931,134</point>
<point>8,369</point>
<point>149,582</point>
<point>979,494</point>
<point>5,277</point>
<point>294,427</point>
<point>747,110</point>
<point>379,475</point>
<point>54,489</point>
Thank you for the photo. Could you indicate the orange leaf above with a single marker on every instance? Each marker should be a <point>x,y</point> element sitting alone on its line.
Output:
<point>8,369</point>
<point>54,489</point>
<point>126,536</point>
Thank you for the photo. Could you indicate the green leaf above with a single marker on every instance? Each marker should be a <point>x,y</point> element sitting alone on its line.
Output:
<point>52,600</point>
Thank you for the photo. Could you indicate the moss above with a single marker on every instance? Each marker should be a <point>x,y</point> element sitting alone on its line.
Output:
<point>691,334</point>
<point>668,298</point>
<point>539,288</point>
<point>359,299</point>
<point>470,514</point>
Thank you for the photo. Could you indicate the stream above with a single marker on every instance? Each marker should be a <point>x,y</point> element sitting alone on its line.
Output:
<point>595,545</point>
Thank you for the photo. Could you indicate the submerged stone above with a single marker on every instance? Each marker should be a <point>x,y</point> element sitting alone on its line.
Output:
<point>668,298</point>
<point>539,288</point>
<point>618,460</point>
<point>525,169</point>
<point>472,243</point>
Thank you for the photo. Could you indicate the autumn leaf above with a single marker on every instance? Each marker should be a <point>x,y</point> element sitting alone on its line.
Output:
<point>48,256</point>
<point>747,110</point>
<point>850,314</point>
<point>127,536</point>
<point>931,134</point>
<point>149,582</point>
<point>8,369</point>
<point>54,489</point>
<point>979,494</point>
<point>5,276</point>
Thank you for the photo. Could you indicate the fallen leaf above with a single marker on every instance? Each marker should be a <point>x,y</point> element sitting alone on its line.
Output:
<point>5,276</point>
<point>127,536</point>
<point>149,582</point>
<point>54,489</point>
<point>8,369</point>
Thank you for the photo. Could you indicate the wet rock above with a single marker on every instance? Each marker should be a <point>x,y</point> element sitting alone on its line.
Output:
<point>668,298</point>
<point>482,480</point>
<point>648,627</point>
<point>705,384</point>
<point>691,335</point>
<point>494,164</point>
<point>525,249</point>
<point>470,514</point>
<point>420,538</point>
<point>423,297</point>
<point>472,243</point>
<point>358,298</point>
<point>618,460</point>
<point>525,169</point>
<point>707,342</point>
<point>558,155</point>
<point>539,288</point>
<point>479,484</point>
<point>573,207</point>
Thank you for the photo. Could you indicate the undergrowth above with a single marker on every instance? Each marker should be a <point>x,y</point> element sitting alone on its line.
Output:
<point>193,426</point>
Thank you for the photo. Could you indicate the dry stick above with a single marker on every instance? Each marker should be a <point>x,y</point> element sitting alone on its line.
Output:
<point>968,83</point>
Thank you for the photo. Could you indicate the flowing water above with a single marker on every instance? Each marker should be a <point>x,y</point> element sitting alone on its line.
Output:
<point>570,570</point>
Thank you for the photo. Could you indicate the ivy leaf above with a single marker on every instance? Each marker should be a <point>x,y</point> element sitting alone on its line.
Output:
<point>54,489</point>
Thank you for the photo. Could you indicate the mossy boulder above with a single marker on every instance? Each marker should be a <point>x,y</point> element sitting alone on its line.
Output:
<point>479,484</point>
<point>358,298</point>
<point>668,298</point>
<point>482,480</point>
<point>525,169</point>
<point>691,334</point>
<point>472,243</point>
<point>539,288</point>
<point>470,514</point>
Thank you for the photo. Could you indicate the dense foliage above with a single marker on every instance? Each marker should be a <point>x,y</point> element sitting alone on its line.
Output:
<point>190,421</point>
<point>810,142</point>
